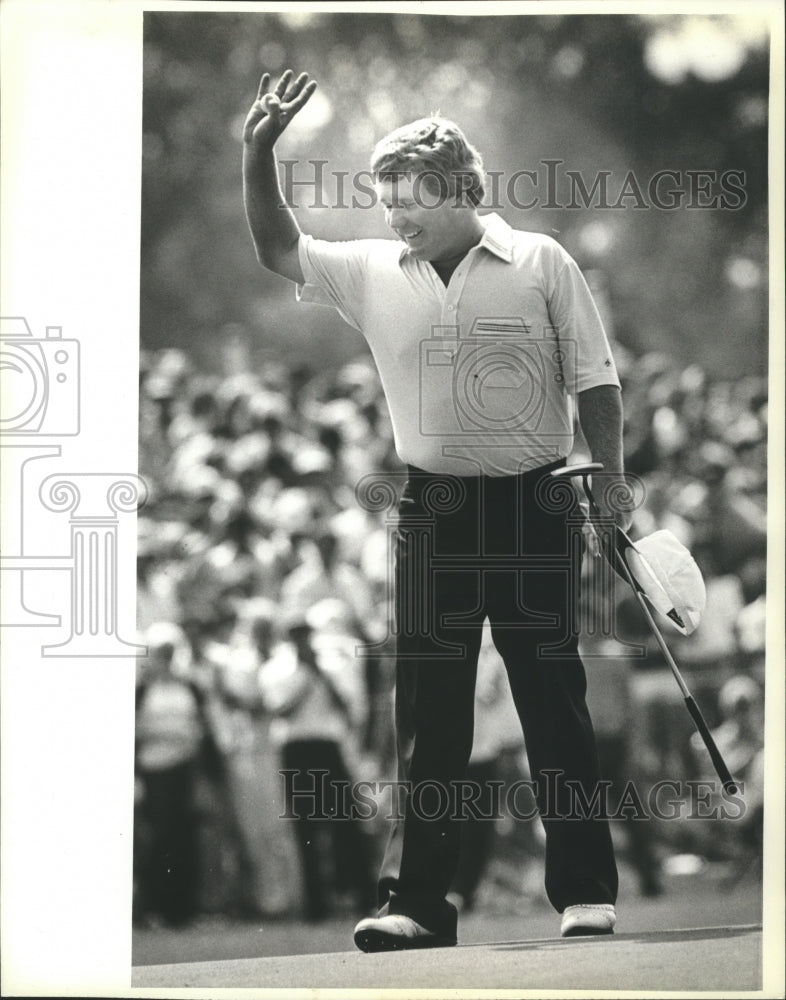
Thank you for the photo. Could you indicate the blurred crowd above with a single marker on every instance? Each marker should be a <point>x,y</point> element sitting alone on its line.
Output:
<point>264,602</point>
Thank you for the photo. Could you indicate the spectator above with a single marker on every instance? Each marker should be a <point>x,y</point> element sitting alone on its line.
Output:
<point>268,864</point>
<point>316,691</point>
<point>208,550</point>
<point>173,741</point>
<point>325,574</point>
<point>740,740</point>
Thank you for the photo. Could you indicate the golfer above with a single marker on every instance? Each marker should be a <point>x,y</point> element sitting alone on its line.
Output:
<point>488,345</point>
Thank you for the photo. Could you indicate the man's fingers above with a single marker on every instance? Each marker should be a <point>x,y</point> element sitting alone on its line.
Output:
<point>271,105</point>
<point>294,106</point>
<point>295,87</point>
<point>283,83</point>
<point>591,539</point>
<point>281,103</point>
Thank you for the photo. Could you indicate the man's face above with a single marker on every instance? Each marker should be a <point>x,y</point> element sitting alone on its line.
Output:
<point>431,223</point>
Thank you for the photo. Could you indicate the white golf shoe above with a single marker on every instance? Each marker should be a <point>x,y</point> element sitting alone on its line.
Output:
<point>588,918</point>
<point>395,932</point>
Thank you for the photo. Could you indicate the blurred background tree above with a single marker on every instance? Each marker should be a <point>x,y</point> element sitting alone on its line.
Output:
<point>624,94</point>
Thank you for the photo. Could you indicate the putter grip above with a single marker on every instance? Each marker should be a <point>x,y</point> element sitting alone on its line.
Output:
<point>729,784</point>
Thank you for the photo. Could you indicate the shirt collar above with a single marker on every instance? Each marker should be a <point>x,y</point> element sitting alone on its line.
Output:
<point>497,237</point>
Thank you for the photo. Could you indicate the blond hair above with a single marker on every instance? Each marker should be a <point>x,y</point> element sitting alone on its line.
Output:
<point>436,148</point>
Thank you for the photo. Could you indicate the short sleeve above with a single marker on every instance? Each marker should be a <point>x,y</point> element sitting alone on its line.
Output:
<point>580,328</point>
<point>335,275</point>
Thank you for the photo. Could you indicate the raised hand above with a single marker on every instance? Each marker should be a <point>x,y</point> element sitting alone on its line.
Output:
<point>274,109</point>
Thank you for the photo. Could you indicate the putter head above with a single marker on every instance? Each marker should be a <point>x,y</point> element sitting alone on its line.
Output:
<point>582,469</point>
<point>612,545</point>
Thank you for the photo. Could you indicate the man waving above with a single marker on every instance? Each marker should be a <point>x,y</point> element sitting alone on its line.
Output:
<point>488,344</point>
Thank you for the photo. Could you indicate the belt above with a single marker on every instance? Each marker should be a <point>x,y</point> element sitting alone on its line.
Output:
<point>530,475</point>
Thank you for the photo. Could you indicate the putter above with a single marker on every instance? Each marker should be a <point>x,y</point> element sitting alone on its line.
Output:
<point>614,552</point>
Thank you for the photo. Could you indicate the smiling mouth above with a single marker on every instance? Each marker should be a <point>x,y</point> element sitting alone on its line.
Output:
<point>413,235</point>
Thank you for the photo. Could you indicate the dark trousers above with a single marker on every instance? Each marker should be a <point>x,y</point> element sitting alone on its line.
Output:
<point>170,870</point>
<point>477,831</point>
<point>470,548</point>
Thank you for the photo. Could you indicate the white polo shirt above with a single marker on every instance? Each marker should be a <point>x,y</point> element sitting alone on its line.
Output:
<point>479,376</point>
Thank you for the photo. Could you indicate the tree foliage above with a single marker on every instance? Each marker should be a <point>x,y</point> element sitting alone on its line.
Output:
<point>586,91</point>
